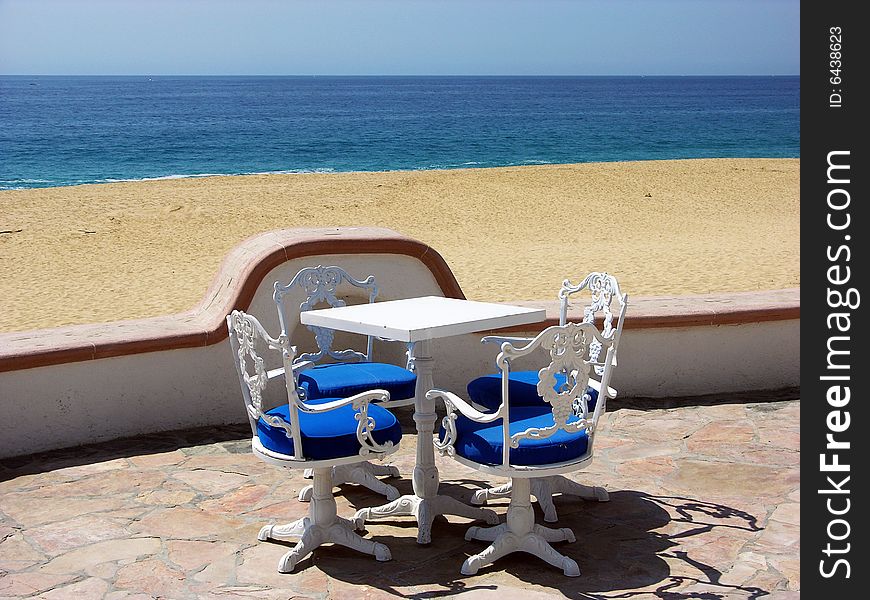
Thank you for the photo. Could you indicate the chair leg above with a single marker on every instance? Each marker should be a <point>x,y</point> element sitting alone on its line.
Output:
<point>289,531</point>
<point>520,534</point>
<point>533,544</point>
<point>311,539</point>
<point>351,524</point>
<point>540,490</point>
<point>563,534</point>
<point>480,497</point>
<point>339,534</point>
<point>321,526</point>
<point>381,470</point>
<point>485,534</point>
<point>364,474</point>
<point>543,489</point>
<point>360,473</point>
<point>561,484</point>
<point>501,546</point>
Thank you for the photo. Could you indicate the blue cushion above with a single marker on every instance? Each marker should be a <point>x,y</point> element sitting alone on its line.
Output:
<point>482,442</point>
<point>328,435</point>
<point>346,379</point>
<point>522,390</point>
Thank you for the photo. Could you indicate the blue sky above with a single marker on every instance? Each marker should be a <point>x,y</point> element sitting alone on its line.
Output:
<point>400,37</point>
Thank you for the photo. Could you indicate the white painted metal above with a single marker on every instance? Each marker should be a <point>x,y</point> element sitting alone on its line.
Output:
<point>320,286</point>
<point>543,489</point>
<point>419,320</point>
<point>520,533</point>
<point>603,288</point>
<point>248,341</point>
<point>364,473</point>
<point>575,351</point>
<point>425,503</point>
<point>416,319</point>
<point>321,526</point>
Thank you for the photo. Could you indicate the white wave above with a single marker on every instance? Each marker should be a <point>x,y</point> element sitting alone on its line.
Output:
<point>28,183</point>
<point>26,180</point>
<point>157,178</point>
<point>289,171</point>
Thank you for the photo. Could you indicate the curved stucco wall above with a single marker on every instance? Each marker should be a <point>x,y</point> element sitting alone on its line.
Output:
<point>75,385</point>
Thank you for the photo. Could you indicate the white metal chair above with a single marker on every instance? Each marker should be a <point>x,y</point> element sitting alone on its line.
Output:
<point>486,391</point>
<point>526,442</point>
<point>349,372</point>
<point>318,434</point>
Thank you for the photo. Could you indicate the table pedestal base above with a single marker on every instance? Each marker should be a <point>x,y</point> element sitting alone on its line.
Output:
<point>424,510</point>
<point>425,503</point>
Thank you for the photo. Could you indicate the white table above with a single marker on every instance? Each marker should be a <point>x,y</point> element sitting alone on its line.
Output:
<point>421,320</point>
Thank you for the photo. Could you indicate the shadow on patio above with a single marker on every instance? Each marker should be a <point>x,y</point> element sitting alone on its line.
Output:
<point>704,504</point>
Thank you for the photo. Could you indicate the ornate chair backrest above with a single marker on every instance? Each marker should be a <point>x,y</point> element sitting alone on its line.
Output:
<point>603,288</point>
<point>248,341</point>
<point>575,350</point>
<point>320,285</point>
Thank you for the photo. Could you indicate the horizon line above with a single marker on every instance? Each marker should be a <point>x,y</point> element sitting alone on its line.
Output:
<point>397,75</point>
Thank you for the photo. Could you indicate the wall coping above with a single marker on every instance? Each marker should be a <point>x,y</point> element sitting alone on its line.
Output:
<point>243,269</point>
<point>724,308</point>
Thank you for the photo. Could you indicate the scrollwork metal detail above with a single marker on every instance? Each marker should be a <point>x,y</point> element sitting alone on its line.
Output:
<point>603,288</point>
<point>246,331</point>
<point>570,347</point>
<point>320,285</point>
<point>580,406</point>
<point>445,446</point>
<point>365,434</point>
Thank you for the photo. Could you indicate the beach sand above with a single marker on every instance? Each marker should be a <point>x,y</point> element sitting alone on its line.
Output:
<point>97,253</point>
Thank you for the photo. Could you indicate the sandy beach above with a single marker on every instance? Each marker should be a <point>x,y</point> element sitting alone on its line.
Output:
<point>96,253</point>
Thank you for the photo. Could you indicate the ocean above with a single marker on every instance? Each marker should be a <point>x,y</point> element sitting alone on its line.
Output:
<point>58,130</point>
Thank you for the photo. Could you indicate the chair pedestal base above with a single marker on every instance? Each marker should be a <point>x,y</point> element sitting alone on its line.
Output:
<point>321,526</point>
<point>424,510</point>
<point>520,533</point>
<point>364,473</point>
<point>543,488</point>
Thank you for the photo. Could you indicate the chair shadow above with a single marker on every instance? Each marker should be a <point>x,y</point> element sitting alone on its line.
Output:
<point>620,552</point>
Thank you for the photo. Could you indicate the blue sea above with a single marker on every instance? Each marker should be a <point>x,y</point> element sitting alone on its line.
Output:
<point>58,131</point>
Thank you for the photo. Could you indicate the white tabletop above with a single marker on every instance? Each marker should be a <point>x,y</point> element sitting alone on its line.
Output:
<point>415,319</point>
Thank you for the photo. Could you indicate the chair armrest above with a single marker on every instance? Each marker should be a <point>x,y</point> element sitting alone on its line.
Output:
<point>365,424</point>
<point>274,373</point>
<point>297,368</point>
<point>501,339</point>
<point>357,401</point>
<point>303,365</point>
<point>596,385</point>
<point>454,402</point>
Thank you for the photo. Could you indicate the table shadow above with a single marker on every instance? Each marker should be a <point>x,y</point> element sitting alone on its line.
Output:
<point>619,549</point>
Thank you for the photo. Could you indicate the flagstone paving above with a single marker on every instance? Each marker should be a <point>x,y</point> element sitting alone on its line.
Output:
<point>704,492</point>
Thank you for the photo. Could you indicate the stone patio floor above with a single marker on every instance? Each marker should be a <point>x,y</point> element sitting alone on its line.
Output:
<point>704,492</point>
